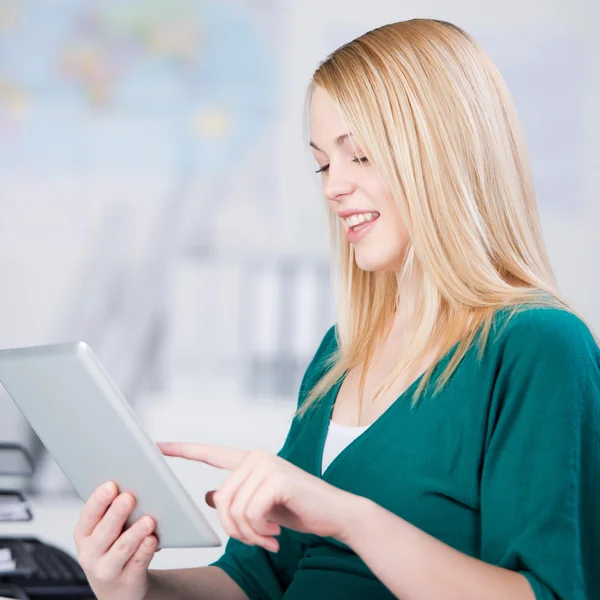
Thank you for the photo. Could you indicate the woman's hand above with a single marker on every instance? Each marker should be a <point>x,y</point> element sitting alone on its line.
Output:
<point>264,492</point>
<point>115,561</point>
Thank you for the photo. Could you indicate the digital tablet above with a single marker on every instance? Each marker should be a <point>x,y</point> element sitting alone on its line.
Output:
<point>89,428</point>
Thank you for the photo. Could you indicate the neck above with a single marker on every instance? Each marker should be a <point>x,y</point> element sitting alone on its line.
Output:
<point>406,303</point>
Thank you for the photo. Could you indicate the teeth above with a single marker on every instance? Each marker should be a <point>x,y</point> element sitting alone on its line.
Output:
<point>360,218</point>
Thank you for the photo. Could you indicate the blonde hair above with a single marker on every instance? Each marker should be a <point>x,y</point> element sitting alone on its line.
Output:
<point>435,117</point>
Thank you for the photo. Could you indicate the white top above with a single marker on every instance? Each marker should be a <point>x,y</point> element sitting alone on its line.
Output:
<point>338,437</point>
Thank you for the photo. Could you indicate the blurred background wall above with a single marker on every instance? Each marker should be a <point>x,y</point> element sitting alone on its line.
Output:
<point>157,199</point>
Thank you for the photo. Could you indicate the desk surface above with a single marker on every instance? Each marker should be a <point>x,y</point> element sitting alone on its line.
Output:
<point>54,520</point>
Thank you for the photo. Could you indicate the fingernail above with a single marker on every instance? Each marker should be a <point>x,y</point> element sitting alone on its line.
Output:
<point>107,489</point>
<point>210,498</point>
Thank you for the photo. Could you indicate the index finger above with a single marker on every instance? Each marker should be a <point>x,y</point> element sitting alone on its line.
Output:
<point>95,507</point>
<point>221,457</point>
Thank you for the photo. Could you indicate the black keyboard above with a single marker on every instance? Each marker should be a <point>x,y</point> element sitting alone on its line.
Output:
<point>45,571</point>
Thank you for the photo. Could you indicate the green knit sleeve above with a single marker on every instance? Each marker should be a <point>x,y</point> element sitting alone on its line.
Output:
<point>540,485</point>
<point>261,574</point>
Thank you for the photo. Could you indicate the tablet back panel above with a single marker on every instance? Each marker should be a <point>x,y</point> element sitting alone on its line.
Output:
<point>93,434</point>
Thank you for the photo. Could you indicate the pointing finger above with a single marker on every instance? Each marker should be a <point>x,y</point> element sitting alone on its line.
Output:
<point>221,457</point>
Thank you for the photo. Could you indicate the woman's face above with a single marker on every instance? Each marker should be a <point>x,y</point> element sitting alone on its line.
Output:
<point>355,190</point>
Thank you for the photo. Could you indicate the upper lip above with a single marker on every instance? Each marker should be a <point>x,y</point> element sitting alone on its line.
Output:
<point>344,214</point>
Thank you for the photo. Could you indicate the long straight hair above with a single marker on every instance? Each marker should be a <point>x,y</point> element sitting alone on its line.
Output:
<point>436,119</point>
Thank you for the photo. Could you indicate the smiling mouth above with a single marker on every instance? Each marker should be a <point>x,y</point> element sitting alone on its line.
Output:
<point>358,221</point>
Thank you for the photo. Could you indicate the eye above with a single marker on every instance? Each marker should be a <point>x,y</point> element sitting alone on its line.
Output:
<point>361,159</point>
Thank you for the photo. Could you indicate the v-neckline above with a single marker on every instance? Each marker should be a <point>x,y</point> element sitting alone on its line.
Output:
<point>329,403</point>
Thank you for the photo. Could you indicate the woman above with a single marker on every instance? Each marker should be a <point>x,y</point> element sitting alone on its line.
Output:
<point>446,439</point>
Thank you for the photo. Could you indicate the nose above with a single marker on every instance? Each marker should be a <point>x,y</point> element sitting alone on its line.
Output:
<point>338,183</point>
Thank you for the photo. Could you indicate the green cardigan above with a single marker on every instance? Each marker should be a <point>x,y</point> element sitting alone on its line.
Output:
<point>503,465</point>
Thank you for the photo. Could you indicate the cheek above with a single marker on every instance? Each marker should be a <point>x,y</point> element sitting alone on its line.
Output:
<point>394,236</point>
<point>395,230</point>
<point>388,204</point>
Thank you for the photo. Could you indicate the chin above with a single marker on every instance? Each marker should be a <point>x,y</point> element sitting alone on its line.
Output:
<point>373,263</point>
<point>370,259</point>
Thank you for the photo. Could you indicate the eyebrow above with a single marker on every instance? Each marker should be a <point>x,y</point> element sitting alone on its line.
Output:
<point>338,142</point>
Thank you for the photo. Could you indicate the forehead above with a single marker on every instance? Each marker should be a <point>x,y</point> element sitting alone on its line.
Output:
<point>325,118</point>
